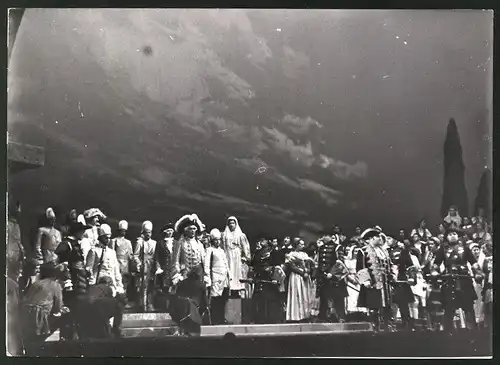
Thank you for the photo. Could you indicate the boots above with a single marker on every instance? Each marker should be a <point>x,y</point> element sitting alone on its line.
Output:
<point>375,320</point>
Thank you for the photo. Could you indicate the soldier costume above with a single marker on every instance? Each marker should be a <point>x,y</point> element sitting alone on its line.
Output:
<point>374,270</point>
<point>331,290</point>
<point>457,289</point>
<point>143,267</point>
<point>124,255</point>
<point>163,258</point>
<point>267,298</point>
<point>70,254</point>
<point>402,293</point>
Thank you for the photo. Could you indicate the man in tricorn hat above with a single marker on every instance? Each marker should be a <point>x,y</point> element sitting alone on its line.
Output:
<point>93,217</point>
<point>457,289</point>
<point>188,252</point>
<point>373,265</point>
<point>70,254</point>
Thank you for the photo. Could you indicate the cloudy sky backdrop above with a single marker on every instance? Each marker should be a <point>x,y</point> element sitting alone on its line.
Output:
<point>292,120</point>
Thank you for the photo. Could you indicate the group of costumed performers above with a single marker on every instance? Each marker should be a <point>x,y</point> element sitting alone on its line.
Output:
<point>389,273</point>
<point>80,277</point>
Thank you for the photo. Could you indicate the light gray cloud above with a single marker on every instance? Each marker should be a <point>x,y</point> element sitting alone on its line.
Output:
<point>302,155</point>
<point>299,125</point>
<point>342,169</point>
<point>330,196</point>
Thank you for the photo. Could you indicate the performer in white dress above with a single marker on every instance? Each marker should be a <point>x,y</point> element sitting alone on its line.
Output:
<point>237,248</point>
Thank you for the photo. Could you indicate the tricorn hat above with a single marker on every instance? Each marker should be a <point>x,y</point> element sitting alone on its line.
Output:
<point>167,226</point>
<point>93,212</point>
<point>188,220</point>
<point>78,226</point>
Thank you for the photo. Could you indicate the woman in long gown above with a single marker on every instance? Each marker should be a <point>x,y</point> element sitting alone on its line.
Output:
<point>237,248</point>
<point>299,284</point>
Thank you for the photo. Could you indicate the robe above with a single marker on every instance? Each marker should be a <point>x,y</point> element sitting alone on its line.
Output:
<point>236,248</point>
<point>299,286</point>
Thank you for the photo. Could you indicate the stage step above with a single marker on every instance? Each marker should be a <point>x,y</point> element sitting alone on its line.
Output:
<point>139,325</point>
<point>149,331</point>
<point>142,320</point>
<point>284,329</point>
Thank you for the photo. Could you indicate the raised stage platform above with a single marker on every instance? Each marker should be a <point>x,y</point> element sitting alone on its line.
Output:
<point>150,335</point>
<point>161,325</point>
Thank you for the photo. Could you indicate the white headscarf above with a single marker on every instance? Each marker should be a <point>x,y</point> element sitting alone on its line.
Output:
<point>233,235</point>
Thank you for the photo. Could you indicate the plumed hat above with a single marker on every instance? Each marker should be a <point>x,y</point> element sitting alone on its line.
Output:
<point>123,225</point>
<point>369,233</point>
<point>92,212</point>
<point>146,226</point>
<point>215,234</point>
<point>104,230</point>
<point>188,220</point>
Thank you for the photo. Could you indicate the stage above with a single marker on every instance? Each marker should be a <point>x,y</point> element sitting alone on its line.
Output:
<point>150,335</point>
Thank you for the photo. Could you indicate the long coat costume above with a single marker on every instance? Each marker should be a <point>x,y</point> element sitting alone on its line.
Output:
<point>70,252</point>
<point>378,263</point>
<point>332,292</point>
<point>164,261</point>
<point>459,292</point>
<point>46,242</point>
<point>402,293</point>
<point>267,298</point>
<point>144,258</point>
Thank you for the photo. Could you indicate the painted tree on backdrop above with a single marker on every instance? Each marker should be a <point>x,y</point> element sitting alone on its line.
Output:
<point>454,190</point>
<point>484,198</point>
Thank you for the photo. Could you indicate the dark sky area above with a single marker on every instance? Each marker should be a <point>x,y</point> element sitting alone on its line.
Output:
<point>291,120</point>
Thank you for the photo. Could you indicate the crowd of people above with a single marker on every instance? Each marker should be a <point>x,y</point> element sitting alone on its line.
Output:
<point>79,275</point>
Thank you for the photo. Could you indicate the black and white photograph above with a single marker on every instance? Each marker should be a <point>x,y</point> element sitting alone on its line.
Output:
<point>249,183</point>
